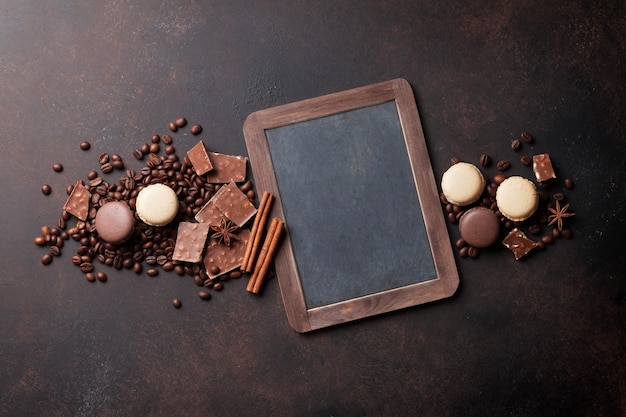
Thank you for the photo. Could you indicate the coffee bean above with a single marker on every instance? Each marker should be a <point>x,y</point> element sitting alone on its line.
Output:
<point>567,233</point>
<point>235,274</point>
<point>55,250</point>
<point>137,267</point>
<point>118,164</point>
<point>516,144</point>
<point>90,276</point>
<point>527,137</point>
<point>215,270</point>
<point>40,241</point>
<point>46,189</point>
<point>556,233</point>
<point>442,198</point>
<point>452,217</point>
<point>485,160</point>
<point>169,150</point>
<point>103,158</point>
<point>472,252</point>
<point>205,295</point>
<point>218,286</point>
<point>547,239</point>
<point>57,167</point>
<point>167,139</point>
<point>196,129</point>
<point>569,183</point>
<point>85,146</point>
<point>145,148</point>
<point>155,148</point>
<point>460,243</point>
<point>177,303</point>
<point>155,138</point>
<point>86,267</point>
<point>525,160</point>
<point>106,167</point>
<point>503,165</point>
<point>463,252</point>
<point>179,270</point>
<point>535,229</point>
<point>172,126</point>
<point>138,154</point>
<point>558,196</point>
<point>46,259</point>
<point>499,179</point>
<point>101,276</point>
<point>153,272</point>
<point>180,122</point>
<point>76,260</point>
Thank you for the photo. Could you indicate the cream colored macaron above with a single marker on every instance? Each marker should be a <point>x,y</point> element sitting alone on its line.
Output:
<point>157,205</point>
<point>462,184</point>
<point>517,198</point>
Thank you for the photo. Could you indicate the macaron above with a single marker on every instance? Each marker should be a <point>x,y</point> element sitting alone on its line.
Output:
<point>479,227</point>
<point>115,222</point>
<point>517,198</point>
<point>462,184</point>
<point>157,205</point>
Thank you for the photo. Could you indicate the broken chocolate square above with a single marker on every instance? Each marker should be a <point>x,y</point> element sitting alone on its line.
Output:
<point>542,166</point>
<point>235,205</point>
<point>227,168</point>
<point>199,158</point>
<point>190,241</point>
<point>517,242</point>
<point>77,203</point>
<point>210,213</point>
<point>220,259</point>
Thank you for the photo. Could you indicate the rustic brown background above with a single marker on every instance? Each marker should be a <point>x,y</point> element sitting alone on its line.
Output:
<point>546,336</point>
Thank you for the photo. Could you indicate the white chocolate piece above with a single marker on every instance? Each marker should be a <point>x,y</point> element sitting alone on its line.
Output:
<point>157,205</point>
<point>462,184</point>
<point>517,198</point>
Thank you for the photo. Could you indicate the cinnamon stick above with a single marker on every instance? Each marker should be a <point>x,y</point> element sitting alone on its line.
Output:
<point>266,256</point>
<point>247,264</point>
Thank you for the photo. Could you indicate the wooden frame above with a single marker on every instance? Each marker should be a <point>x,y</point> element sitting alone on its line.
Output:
<point>444,284</point>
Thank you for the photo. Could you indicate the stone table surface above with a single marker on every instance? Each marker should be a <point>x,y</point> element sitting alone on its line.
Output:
<point>545,336</point>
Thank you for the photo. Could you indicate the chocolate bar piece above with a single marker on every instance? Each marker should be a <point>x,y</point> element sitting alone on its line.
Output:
<point>227,168</point>
<point>190,241</point>
<point>77,203</point>
<point>220,259</point>
<point>235,205</point>
<point>210,213</point>
<point>542,166</point>
<point>517,242</point>
<point>199,158</point>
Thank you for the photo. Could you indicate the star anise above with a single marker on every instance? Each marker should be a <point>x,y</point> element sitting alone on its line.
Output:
<point>224,232</point>
<point>558,214</point>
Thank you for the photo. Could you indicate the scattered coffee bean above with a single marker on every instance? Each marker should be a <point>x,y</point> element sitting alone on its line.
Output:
<point>57,167</point>
<point>55,250</point>
<point>499,179</point>
<point>205,295</point>
<point>86,267</point>
<point>535,229</point>
<point>172,126</point>
<point>527,137</point>
<point>485,160</point>
<point>547,239</point>
<point>569,183</point>
<point>196,129</point>
<point>46,189</point>
<point>516,144</point>
<point>556,233</point>
<point>503,165</point>
<point>103,158</point>
<point>463,251</point>
<point>558,196</point>
<point>85,146</point>
<point>442,198</point>
<point>567,233</point>
<point>452,217</point>
<point>138,154</point>
<point>177,303</point>
<point>218,286</point>
<point>101,276</point>
<point>90,276</point>
<point>167,139</point>
<point>106,167</point>
<point>472,252</point>
<point>460,243</point>
<point>235,274</point>
<point>46,259</point>
<point>153,272</point>
<point>155,138</point>
<point>180,122</point>
<point>525,160</point>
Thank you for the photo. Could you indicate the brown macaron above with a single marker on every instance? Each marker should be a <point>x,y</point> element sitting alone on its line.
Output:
<point>115,222</point>
<point>479,227</point>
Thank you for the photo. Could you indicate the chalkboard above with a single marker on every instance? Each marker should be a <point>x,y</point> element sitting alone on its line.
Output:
<point>352,179</point>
